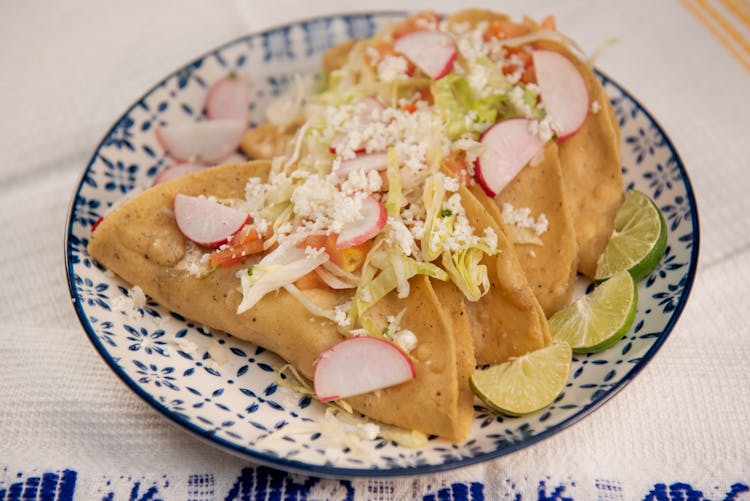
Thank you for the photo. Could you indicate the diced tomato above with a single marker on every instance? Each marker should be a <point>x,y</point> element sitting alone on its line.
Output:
<point>422,94</point>
<point>385,49</point>
<point>245,242</point>
<point>505,28</point>
<point>427,20</point>
<point>456,163</point>
<point>310,281</point>
<point>526,62</point>
<point>349,259</point>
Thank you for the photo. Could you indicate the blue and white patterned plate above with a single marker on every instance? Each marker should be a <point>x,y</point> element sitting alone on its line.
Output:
<point>226,391</point>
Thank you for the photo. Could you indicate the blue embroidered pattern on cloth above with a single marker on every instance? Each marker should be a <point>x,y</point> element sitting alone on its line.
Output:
<point>238,403</point>
<point>269,484</point>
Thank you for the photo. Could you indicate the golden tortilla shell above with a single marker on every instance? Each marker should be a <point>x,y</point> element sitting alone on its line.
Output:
<point>591,168</point>
<point>550,268</point>
<point>507,321</point>
<point>141,243</point>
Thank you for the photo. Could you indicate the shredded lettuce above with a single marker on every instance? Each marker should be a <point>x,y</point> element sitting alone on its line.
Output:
<point>394,268</point>
<point>281,267</point>
<point>309,304</point>
<point>466,106</point>
<point>437,228</point>
<point>466,272</point>
<point>395,198</point>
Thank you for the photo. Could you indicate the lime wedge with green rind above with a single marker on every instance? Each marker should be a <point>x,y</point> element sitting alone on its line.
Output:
<point>524,384</point>
<point>599,319</point>
<point>638,241</point>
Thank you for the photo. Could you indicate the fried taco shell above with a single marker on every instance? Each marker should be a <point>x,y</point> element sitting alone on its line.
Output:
<point>550,268</point>
<point>141,243</point>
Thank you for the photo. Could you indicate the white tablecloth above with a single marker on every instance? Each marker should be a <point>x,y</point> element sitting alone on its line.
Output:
<point>680,430</point>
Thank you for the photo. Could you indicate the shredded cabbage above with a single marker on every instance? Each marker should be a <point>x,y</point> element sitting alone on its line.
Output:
<point>467,273</point>
<point>281,267</point>
<point>395,198</point>
<point>309,304</point>
<point>389,278</point>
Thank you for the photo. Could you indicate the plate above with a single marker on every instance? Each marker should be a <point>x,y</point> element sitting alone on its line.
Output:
<point>226,391</point>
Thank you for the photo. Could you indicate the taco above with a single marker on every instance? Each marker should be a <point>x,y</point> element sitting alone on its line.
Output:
<point>368,224</point>
<point>141,243</point>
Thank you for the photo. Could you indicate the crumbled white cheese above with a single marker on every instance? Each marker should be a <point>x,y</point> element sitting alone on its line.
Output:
<point>542,128</point>
<point>471,147</point>
<point>217,353</point>
<point>341,314</point>
<point>186,345</point>
<point>362,181</point>
<point>368,431</point>
<point>194,262</point>
<point>130,304</point>
<point>405,339</point>
<point>521,217</point>
<point>392,68</point>
<point>595,107</point>
<point>450,184</point>
<point>139,298</point>
<point>399,234</point>
<point>517,98</point>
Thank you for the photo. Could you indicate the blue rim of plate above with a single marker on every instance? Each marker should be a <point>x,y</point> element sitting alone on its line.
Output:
<point>341,472</point>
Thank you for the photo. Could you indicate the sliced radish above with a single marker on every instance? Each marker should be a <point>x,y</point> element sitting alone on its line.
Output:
<point>206,222</point>
<point>362,162</point>
<point>431,51</point>
<point>360,365</point>
<point>207,141</point>
<point>175,171</point>
<point>228,98</point>
<point>374,217</point>
<point>563,92</point>
<point>510,145</point>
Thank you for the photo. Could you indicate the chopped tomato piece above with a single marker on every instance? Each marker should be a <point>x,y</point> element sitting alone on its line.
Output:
<point>422,94</point>
<point>245,242</point>
<point>349,259</point>
<point>310,281</point>
<point>385,49</point>
<point>457,164</point>
<point>427,20</point>
<point>526,62</point>
<point>505,28</point>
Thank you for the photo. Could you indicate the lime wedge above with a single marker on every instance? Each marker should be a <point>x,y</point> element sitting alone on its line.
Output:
<point>525,384</point>
<point>599,319</point>
<point>638,241</point>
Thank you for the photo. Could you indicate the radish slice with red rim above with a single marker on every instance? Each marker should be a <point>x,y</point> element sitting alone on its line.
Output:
<point>431,51</point>
<point>362,162</point>
<point>228,98</point>
<point>207,141</point>
<point>510,145</point>
<point>563,90</point>
<point>207,222</point>
<point>374,217</point>
<point>360,365</point>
